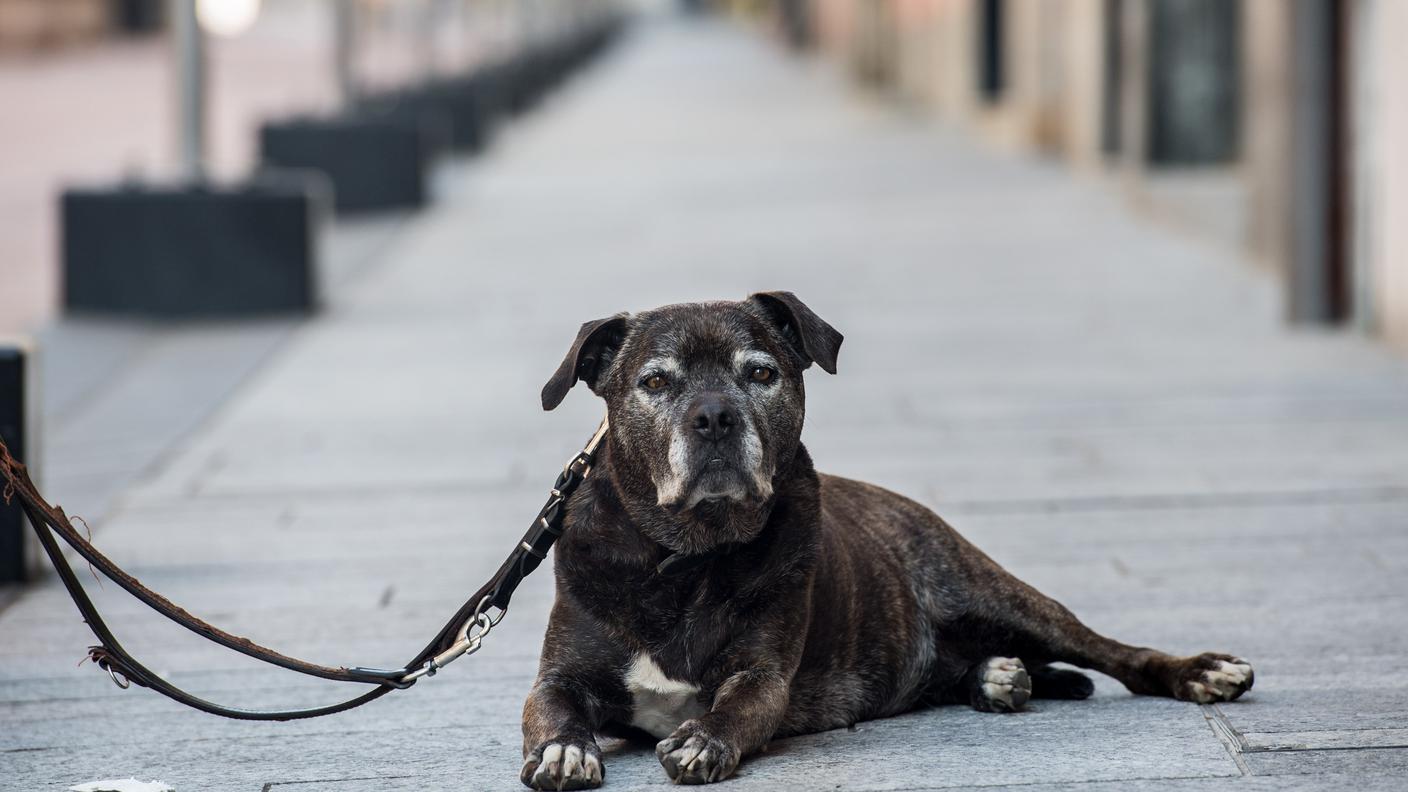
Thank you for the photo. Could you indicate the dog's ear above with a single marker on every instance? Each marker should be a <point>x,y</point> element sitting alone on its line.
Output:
<point>813,339</point>
<point>590,354</point>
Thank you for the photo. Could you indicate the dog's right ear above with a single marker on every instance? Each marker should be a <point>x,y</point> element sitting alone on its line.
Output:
<point>590,354</point>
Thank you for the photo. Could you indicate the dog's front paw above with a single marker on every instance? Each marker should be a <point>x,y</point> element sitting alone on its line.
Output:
<point>564,763</point>
<point>1210,677</point>
<point>694,756</point>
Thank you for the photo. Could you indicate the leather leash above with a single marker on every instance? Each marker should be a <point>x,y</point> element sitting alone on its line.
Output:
<point>461,635</point>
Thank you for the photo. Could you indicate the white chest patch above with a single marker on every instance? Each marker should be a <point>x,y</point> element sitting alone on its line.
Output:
<point>659,704</point>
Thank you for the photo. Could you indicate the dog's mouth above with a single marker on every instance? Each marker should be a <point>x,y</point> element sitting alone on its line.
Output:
<point>716,479</point>
<point>719,478</point>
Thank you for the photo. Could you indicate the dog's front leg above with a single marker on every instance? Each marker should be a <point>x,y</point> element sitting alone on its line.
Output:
<point>559,747</point>
<point>746,712</point>
<point>577,690</point>
<point>749,703</point>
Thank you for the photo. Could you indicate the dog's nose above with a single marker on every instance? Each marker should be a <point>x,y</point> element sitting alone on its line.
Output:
<point>711,417</point>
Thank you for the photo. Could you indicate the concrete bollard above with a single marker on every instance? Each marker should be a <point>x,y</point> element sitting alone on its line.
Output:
<point>19,411</point>
<point>375,161</point>
<point>195,251</point>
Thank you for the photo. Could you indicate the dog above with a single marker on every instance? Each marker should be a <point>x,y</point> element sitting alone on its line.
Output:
<point>715,592</point>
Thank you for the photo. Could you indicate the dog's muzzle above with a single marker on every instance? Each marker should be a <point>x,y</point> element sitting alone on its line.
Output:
<point>723,453</point>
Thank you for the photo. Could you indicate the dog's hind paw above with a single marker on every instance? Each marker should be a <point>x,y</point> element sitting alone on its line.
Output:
<point>693,756</point>
<point>1001,684</point>
<point>1210,677</point>
<point>563,764</point>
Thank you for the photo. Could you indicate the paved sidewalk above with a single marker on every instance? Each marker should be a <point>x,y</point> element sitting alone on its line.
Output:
<point>1112,410</point>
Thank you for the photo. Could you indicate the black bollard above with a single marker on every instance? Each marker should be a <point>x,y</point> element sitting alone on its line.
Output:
<point>195,251</point>
<point>375,160</point>
<point>18,409</point>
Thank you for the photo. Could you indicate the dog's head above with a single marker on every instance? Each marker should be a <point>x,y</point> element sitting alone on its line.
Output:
<point>705,399</point>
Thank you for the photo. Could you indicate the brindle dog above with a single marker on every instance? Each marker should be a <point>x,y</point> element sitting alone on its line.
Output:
<point>715,591</point>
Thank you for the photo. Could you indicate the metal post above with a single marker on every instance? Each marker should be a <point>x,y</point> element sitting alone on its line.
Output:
<point>1134,98</point>
<point>190,81</point>
<point>1112,71</point>
<point>992,51</point>
<point>1315,280</point>
<point>428,31</point>
<point>344,22</point>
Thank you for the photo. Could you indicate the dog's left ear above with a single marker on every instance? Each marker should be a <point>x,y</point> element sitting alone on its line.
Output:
<point>815,340</point>
<point>589,356</point>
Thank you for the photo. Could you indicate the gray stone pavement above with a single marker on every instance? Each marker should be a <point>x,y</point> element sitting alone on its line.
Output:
<point>1110,409</point>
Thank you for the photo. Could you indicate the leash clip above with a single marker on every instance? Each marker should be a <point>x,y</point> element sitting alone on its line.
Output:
<point>118,678</point>
<point>470,638</point>
<point>100,657</point>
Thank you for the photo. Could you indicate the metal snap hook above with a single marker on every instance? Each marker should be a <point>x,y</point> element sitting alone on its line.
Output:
<point>118,678</point>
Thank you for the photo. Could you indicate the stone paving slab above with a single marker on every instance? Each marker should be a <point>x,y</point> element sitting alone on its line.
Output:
<point>1113,411</point>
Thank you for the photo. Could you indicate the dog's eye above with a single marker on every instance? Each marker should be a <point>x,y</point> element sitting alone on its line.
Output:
<point>762,374</point>
<point>655,382</point>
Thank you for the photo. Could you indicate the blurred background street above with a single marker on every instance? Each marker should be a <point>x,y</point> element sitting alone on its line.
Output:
<point>1153,373</point>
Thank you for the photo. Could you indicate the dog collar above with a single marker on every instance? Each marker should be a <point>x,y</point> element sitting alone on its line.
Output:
<point>676,563</point>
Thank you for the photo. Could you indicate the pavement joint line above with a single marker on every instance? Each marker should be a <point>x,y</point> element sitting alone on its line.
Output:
<point>1106,426</point>
<point>446,486</point>
<point>1325,748</point>
<point>1143,502</point>
<point>1175,501</point>
<point>1398,740</point>
<point>269,785</point>
<point>187,676</point>
<point>1227,734</point>
<point>330,731</point>
<point>1081,782</point>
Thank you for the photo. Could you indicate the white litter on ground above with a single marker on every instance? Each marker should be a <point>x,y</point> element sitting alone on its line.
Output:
<point>119,785</point>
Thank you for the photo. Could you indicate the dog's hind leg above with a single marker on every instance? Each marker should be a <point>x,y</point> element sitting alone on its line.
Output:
<point>1025,623</point>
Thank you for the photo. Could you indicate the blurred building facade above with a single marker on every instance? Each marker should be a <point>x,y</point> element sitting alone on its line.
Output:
<point>27,25</point>
<point>1276,125</point>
